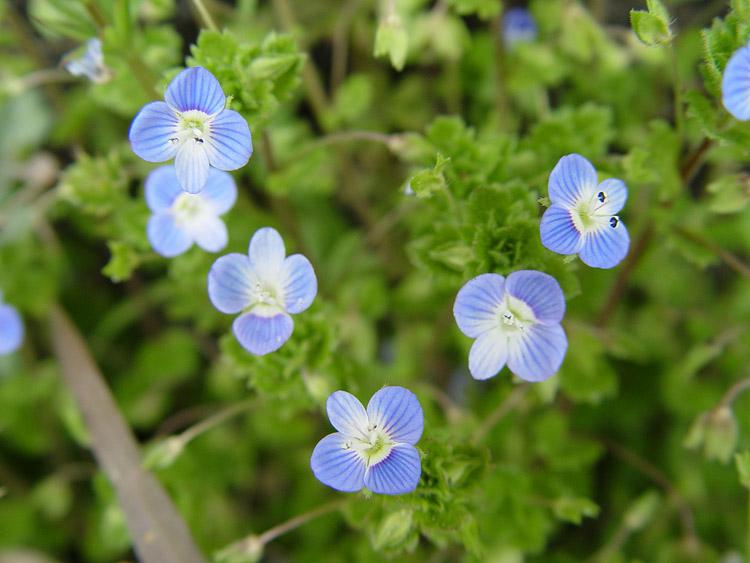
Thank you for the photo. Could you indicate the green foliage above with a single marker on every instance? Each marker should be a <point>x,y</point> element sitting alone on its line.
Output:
<point>392,40</point>
<point>652,26</point>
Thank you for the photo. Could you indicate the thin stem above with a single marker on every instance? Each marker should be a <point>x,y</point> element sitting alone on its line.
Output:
<point>511,402</point>
<point>733,392</point>
<point>340,43</point>
<point>729,258</point>
<point>205,15</point>
<point>501,98</point>
<point>343,137</point>
<point>143,75</point>
<point>215,420</point>
<point>679,116</point>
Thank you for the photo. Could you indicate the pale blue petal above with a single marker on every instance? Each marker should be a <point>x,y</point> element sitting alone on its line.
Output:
<point>606,247</point>
<point>220,191</point>
<point>572,177</point>
<point>231,281</point>
<point>229,145</point>
<point>475,308</point>
<point>540,292</point>
<point>735,85</point>
<point>267,253</point>
<point>191,164</point>
<point>162,188</point>
<point>209,232</point>
<point>397,411</point>
<point>616,194</point>
<point>538,352</point>
<point>397,474</point>
<point>11,329</point>
<point>518,26</point>
<point>299,283</point>
<point>347,414</point>
<point>195,88</point>
<point>166,237</point>
<point>151,131</point>
<point>263,335</point>
<point>558,232</point>
<point>488,354</point>
<point>336,466</point>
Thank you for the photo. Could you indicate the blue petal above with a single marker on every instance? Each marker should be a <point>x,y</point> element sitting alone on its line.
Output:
<point>299,283</point>
<point>220,191</point>
<point>397,411</point>
<point>267,253</point>
<point>558,231</point>
<point>166,237</point>
<point>735,85</point>
<point>476,304</point>
<point>263,335</point>
<point>572,177</point>
<point>162,188</point>
<point>518,26</point>
<point>334,465</point>
<point>151,131</point>
<point>540,292</point>
<point>397,474</point>
<point>209,232</point>
<point>230,144</point>
<point>347,414</point>
<point>230,283</point>
<point>191,164</point>
<point>11,329</point>
<point>195,88</point>
<point>616,193</point>
<point>537,353</point>
<point>488,354</point>
<point>605,247</point>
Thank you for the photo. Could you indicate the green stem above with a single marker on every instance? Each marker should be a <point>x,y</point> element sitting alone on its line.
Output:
<point>205,15</point>
<point>727,257</point>
<point>215,420</point>
<point>511,401</point>
<point>678,109</point>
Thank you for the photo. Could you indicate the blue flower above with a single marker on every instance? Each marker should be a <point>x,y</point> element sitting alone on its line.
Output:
<point>11,328</point>
<point>89,64</point>
<point>266,287</point>
<point>582,218</point>
<point>180,218</point>
<point>373,448</point>
<point>735,85</point>
<point>515,320</point>
<point>518,27</point>
<point>192,127</point>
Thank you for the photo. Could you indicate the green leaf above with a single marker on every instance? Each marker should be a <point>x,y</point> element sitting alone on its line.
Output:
<point>642,510</point>
<point>742,462</point>
<point>124,259</point>
<point>392,40</point>
<point>394,530</point>
<point>729,194</point>
<point>575,509</point>
<point>485,9</point>
<point>428,182</point>
<point>652,27</point>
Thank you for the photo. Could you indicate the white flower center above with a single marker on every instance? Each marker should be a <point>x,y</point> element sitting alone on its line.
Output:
<point>590,213</point>
<point>515,316</point>
<point>372,448</point>
<point>266,299</point>
<point>188,208</point>
<point>193,126</point>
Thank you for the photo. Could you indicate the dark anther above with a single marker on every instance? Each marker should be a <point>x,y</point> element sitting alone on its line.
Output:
<point>613,222</point>
<point>199,140</point>
<point>173,140</point>
<point>601,196</point>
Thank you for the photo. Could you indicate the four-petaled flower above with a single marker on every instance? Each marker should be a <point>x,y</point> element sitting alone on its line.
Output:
<point>373,448</point>
<point>515,320</point>
<point>194,128</point>
<point>180,218</point>
<point>518,27</point>
<point>735,84</point>
<point>11,328</point>
<point>266,287</point>
<point>582,218</point>
<point>90,63</point>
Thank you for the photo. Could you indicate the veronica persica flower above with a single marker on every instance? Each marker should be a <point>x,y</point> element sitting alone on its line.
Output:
<point>180,218</point>
<point>373,448</point>
<point>518,26</point>
<point>583,216</point>
<point>266,287</point>
<point>89,63</point>
<point>193,127</point>
<point>735,85</point>
<point>516,321</point>
<point>11,328</point>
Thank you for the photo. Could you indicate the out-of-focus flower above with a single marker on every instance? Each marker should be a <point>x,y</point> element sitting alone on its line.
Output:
<point>735,85</point>
<point>266,287</point>
<point>518,27</point>
<point>180,218</point>
<point>88,63</point>
<point>193,127</point>
<point>11,328</point>
<point>582,218</point>
<point>515,320</point>
<point>373,448</point>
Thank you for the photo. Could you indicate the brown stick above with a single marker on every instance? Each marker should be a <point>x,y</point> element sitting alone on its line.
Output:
<point>158,532</point>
